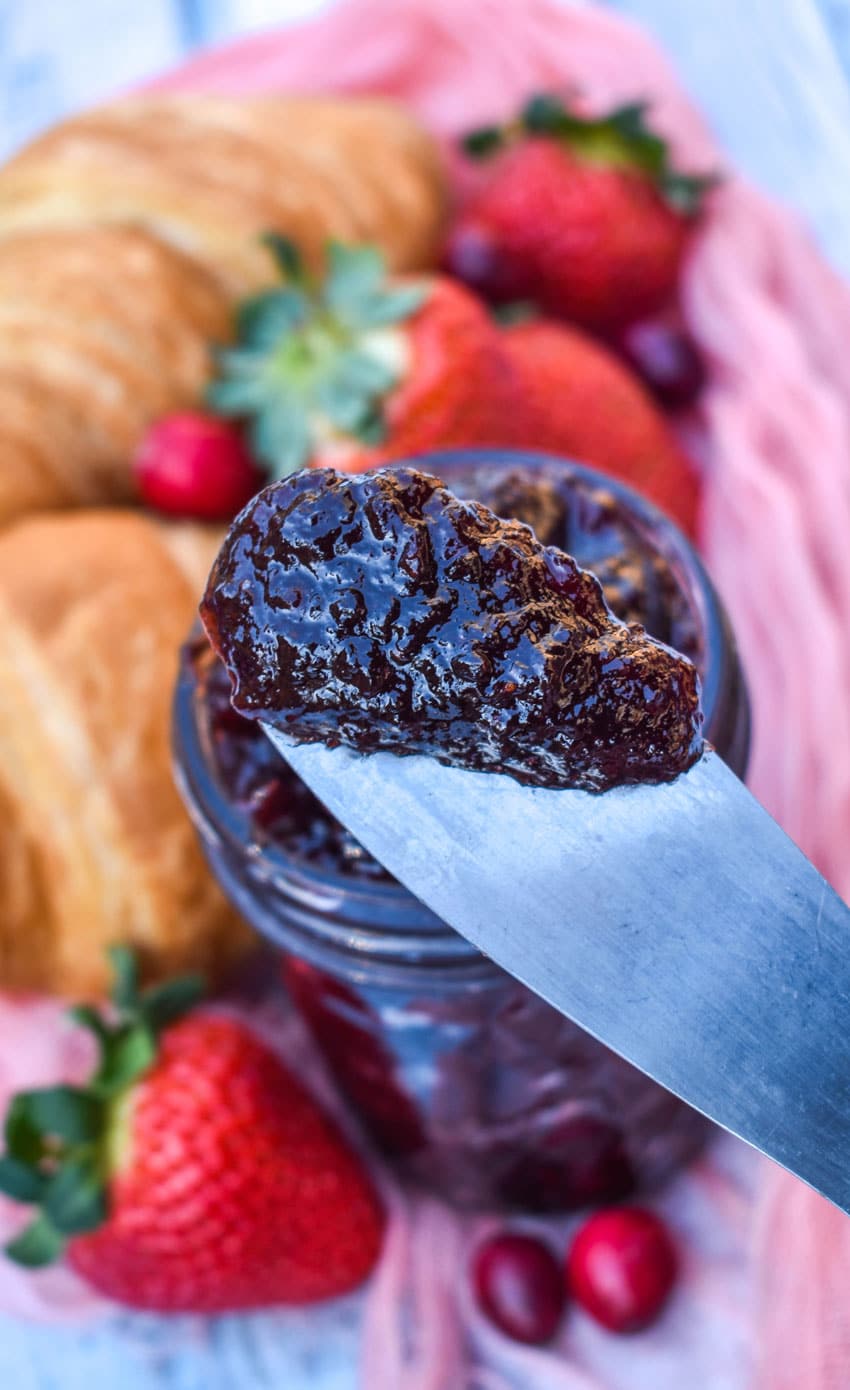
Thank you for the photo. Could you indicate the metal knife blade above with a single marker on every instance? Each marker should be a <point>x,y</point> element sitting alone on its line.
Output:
<point>678,924</point>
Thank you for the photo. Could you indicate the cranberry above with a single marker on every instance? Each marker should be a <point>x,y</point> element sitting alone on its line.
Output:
<point>347,1032</point>
<point>225,721</point>
<point>196,466</point>
<point>271,802</point>
<point>472,254</point>
<point>519,1286</point>
<point>666,357</point>
<point>580,1161</point>
<point>621,1268</point>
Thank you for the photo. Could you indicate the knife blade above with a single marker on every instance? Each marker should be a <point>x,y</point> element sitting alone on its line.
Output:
<point>678,924</point>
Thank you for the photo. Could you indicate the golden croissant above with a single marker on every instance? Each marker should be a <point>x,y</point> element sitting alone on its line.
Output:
<point>95,846</point>
<point>127,233</point>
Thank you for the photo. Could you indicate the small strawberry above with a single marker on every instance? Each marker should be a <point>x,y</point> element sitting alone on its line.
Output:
<point>586,404</point>
<point>195,466</point>
<point>193,1173</point>
<point>352,370</point>
<point>583,215</point>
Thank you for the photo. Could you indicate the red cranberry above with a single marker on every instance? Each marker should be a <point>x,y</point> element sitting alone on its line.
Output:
<point>581,1161</point>
<point>196,466</point>
<point>347,1033</point>
<point>621,1268</point>
<point>519,1286</point>
<point>271,802</point>
<point>225,720</point>
<point>667,359</point>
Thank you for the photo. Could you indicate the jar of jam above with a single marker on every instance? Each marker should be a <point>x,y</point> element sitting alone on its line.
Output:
<point>466,1080</point>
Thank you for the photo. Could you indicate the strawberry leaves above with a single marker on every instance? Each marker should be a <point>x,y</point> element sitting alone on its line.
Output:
<point>61,1115</point>
<point>313,359</point>
<point>356,292</point>
<point>38,1244</point>
<point>166,1003</point>
<point>622,138</point>
<point>74,1199</point>
<point>126,1056</point>
<point>484,141</point>
<point>20,1181</point>
<point>58,1138</point>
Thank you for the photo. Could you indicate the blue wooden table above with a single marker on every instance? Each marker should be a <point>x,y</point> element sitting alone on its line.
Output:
<point>773,77</point>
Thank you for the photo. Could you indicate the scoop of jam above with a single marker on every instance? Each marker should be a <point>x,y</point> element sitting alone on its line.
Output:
<point>381,612</point>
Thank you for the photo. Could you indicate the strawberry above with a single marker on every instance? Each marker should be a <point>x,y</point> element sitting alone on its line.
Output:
<point>193,1173</point>
<point>193,465</point>
<point>585,216</point>
<point>352,370</point>
<point>588,405</point>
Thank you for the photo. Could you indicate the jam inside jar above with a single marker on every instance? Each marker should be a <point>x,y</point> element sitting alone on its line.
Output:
<point>466,1080</point>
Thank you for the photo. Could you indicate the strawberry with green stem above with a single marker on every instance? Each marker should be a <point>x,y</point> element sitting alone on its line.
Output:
<point>192,1172</point>
<point>352,369</point>
<point>586,216</point>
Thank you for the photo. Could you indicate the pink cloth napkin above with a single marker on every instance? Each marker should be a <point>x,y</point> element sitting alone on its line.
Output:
<point>773,433</point>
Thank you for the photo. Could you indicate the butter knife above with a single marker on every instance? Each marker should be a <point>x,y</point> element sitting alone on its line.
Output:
<point>677,923</point>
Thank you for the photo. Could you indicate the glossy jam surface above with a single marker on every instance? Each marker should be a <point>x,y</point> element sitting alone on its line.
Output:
<point>381,611</point>
<point>564,510</point>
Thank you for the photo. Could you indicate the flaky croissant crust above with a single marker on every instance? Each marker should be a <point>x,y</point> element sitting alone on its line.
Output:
<point>207,174</point>
<point>96,846</point>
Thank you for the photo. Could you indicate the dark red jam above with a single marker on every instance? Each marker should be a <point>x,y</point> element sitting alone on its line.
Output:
<point>380,611</point>
<point>564,511</point>
<point>282,809</point>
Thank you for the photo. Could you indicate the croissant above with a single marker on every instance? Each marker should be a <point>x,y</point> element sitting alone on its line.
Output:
<point>101,330</point>
<point>95,845</point>
<point>126,234</point>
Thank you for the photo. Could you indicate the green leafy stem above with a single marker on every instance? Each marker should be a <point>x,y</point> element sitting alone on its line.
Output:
<point>303,352</point>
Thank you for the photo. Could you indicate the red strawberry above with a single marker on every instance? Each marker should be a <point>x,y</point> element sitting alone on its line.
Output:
<point>585,216</point>
<point>588,405</point>
<point>353,370</point>
<point>193,1173</point>
<point>193,465</point>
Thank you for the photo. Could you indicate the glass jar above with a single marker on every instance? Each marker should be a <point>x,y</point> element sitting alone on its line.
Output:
<point>468,1081</point>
